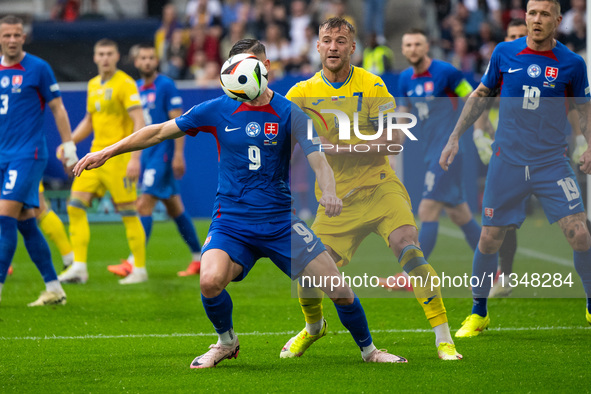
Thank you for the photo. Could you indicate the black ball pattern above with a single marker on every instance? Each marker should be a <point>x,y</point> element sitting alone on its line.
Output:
<point>242,79</point>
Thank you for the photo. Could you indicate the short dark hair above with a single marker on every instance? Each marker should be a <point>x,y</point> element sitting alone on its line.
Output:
<point>416,30</point>
<point>11,20</point>
<point>516,22</point>
<point>106,42</point>
<point>555,2</point>
<point>337,23</point>
<point>145,45</point>
<point>248,45</point>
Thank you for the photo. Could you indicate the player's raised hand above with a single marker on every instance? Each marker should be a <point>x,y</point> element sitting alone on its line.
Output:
<point>133,169</point>
<point>90,161</point>
<point>449,153</point>
<point>585,162</point>
<point>332,204</point>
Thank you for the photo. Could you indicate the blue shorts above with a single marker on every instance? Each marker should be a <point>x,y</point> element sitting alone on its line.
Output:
<point>158,179</point>
<point>444,186</point>
<point>20,181</point>
<point>289,243</point>
<point>508,188</point>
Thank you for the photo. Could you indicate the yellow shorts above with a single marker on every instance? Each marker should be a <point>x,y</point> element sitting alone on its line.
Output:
<point>112,177</point>
<point>377,209</point>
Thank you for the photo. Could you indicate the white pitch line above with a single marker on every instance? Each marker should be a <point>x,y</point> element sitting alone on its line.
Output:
<point>283,333</point>
<point>453,233</point>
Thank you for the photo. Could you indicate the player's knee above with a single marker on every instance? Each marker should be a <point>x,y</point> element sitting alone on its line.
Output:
<point>144,208</point>
<point>490,242</point>
<point>211,284</point>
<point>403,237</point>
<point>578,236</point>
<point>343,301</point>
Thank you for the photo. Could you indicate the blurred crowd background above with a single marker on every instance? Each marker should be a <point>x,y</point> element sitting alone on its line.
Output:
<point>193,37</point>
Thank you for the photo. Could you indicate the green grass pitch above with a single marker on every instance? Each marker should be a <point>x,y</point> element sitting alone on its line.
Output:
<point>142,338</point>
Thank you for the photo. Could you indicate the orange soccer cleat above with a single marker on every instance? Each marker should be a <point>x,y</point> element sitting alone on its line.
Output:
<point>192,269</point>
<point>122,269</point>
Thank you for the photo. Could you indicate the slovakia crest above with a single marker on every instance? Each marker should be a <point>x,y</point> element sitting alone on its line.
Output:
<point>253,129</point>
<point>429,87</point>
<point>551,73</point>
<point>151,97</point>
<point>17,81</point>
<point>489,212</point>
<point>534,71</point>
<point>271,130</point>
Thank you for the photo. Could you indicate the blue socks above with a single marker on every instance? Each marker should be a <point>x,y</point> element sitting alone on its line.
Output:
<point>8,240</point>
<point>187,231</point>
<point>428,237</point>
<point>219,311</point>
<point>583,267</point>
<point>472,233</point>
<point>37,248</point>
<point>483,266</point>
<point>353,318</point>
<point>147,225</point>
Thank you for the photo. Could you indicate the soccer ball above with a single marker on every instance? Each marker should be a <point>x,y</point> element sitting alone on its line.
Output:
<point>243,77</point>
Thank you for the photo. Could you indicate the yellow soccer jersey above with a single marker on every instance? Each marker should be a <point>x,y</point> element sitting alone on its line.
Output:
<point>364,93</point>
<point>108,103</point>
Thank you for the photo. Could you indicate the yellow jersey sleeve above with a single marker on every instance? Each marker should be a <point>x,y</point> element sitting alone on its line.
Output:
<point>128,94</point>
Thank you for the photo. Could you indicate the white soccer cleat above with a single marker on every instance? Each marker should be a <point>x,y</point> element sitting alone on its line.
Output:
<point>500,291</point>
<point>50,298</point>
<point>382,356</point>
<point>215,355</point>
<point>138,275</point>
<point>76,273</point>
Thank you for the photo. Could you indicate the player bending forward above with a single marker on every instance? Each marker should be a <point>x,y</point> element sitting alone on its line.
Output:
<point>252,212</point>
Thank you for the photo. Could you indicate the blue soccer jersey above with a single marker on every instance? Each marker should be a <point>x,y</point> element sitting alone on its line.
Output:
<point>158,99</point>
<point>532,115</point>
<point>433,97</point>
<point>25,88</point>
<point>254,145</point>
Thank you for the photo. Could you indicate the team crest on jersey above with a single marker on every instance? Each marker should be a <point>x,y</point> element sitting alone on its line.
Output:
<point>489,212</point>
<point>207,240</point>
<point>151,97</point>
<point>429,87</point>
<point>108,94</point>
<point>5,81</point>
<point>271,130</point>
<point>534,71</point>
<point>253,129</point>
<point>419,90</point>
<point>551,73</point>
<point>17,81</point>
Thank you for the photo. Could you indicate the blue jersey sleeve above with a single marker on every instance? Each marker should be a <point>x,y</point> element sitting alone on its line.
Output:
<point>299,130</point>
<point>48,87</point>
<point>580,82</point>
<point>491,77</point>
<point>454,77</point>
<point>193,121</point>
<point>173,97</point>
<point>402,89</point>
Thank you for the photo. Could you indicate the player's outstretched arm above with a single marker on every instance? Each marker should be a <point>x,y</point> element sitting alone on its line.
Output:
<point>585,123</point>
<point>474,107</point>
<point>141,139</point>
<point>325,177</point>
<point>67,153</point>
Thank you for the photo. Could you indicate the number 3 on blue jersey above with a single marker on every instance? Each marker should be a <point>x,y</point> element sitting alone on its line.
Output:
<point>254,155</point>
